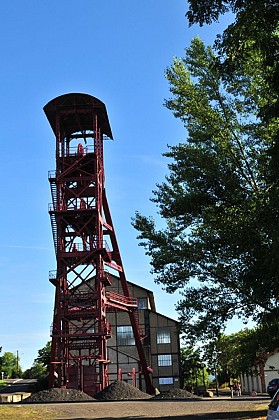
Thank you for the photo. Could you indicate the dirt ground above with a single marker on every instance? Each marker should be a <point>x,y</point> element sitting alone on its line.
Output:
<point>151,409</point>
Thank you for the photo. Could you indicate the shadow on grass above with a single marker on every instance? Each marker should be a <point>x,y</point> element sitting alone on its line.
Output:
<point>243,415</point>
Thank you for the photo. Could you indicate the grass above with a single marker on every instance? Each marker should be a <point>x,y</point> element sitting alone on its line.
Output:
<point>16,412</point>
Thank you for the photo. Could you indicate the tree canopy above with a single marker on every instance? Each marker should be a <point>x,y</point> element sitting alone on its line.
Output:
<point>41,364</point>
<point>240,352</point>
<point>254,30</point>
<point>9,364</point>
<point>193,370</point>
<point>220,243</point>
<point>44,355</point>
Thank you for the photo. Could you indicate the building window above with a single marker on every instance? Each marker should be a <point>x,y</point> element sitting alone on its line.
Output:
<point>163,336</point>
<point>125,336</point>
<point>164,360</point>
<point>165,381</point>
<point>142,303</point>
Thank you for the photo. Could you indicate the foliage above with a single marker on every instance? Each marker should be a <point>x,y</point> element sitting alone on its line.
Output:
<point>36,371</point>
<point>239,352</point>
<point>44,355</point>
<point>255,29</point>
<point>193,370</point>
<point>9,364</point>
<point>40,367</point>
<point>220,244</point>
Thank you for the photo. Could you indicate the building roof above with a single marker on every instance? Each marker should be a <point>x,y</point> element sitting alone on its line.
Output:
<point>150,296</point>
<point>82,104</point>
<point>152,300</point>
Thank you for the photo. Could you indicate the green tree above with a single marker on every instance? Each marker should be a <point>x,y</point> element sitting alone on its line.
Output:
<point>220,243</point>
<point>254,32</point>
<point>40,367</point>
<point>193,370</point>
<point>239,352</point>
<point>225,354</point>
<point>9,364</point>
<point>37,371</point>
<point>255,29</point>
<point>44,355</point>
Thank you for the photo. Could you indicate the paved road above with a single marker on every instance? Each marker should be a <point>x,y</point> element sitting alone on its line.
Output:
<point>18,385</point>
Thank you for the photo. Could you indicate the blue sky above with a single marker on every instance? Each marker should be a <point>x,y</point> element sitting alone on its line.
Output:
<point>116,51</point>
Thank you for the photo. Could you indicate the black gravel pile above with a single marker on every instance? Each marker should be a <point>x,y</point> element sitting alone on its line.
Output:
<point>120,390</point>
<point>58,395</point>
<point>175,394</point>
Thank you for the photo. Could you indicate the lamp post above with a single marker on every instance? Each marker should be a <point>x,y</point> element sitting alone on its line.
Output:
<point>17,363</point>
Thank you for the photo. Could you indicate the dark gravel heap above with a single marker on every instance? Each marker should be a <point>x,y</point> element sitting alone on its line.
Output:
<point>58,395</point>
<point>120,390</point>
<point>175,394</point>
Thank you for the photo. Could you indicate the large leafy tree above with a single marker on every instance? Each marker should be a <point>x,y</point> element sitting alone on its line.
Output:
<point>255,29</point>
<point>239,352</point>
<point>193,370</point>
<point>41,364</point>
<point>220,243</point>
<point>9,364</point>
<point>37,370</point>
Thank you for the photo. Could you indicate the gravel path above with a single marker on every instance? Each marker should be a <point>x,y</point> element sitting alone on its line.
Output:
<point>151,409</point>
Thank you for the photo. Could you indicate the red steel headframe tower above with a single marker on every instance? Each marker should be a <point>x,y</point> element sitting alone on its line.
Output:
<point>86,249</point>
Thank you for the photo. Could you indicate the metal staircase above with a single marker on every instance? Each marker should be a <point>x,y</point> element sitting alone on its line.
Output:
<point>53,206</point>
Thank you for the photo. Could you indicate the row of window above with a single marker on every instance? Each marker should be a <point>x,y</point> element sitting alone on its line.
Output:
<point>125,335</point>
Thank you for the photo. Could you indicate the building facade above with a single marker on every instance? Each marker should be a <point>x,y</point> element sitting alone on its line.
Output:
<point>266,369</point>
<point>160,338</point>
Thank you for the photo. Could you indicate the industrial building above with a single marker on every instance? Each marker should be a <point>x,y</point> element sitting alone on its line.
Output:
<point>160,340</point>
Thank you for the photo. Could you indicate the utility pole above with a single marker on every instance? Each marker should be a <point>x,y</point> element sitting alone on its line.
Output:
<point>17,362</point>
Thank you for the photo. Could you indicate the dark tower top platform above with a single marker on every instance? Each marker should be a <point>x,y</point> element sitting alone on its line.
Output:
<point>82,104</point>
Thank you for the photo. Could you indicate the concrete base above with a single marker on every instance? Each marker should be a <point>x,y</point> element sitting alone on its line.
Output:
<point>13,398</point>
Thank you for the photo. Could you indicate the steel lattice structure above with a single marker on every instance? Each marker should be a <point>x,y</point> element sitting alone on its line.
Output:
<point>86,249</point>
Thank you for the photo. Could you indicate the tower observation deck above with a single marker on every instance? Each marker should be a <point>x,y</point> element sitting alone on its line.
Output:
<point>86,249</point>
